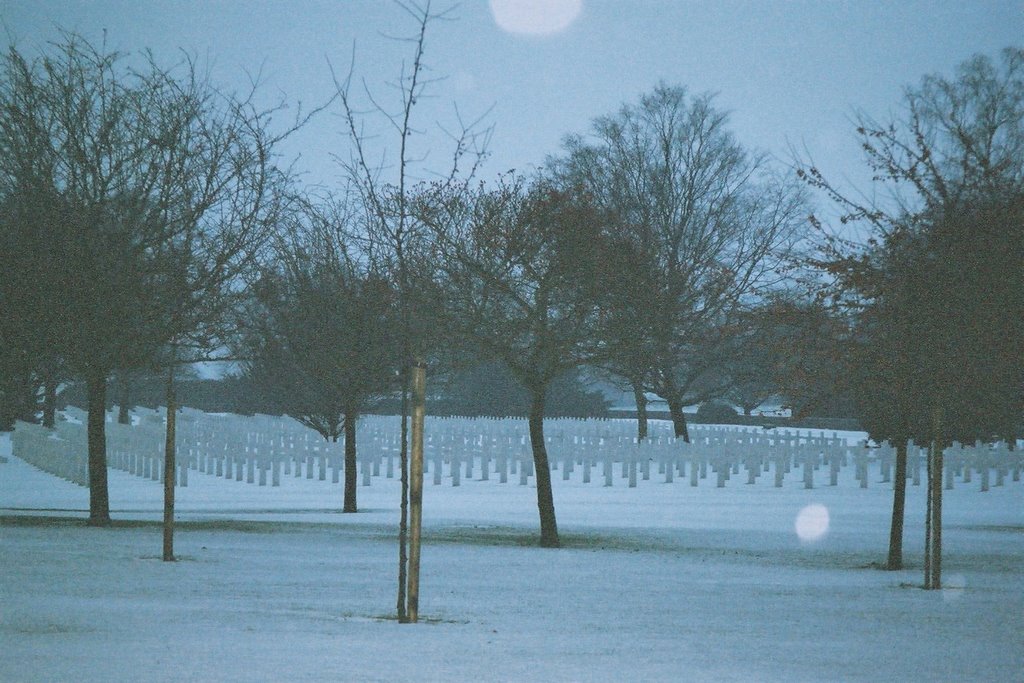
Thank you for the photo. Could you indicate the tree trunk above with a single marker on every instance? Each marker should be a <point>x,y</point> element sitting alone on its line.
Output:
<point>641,411</point>
<point>403,522</point>
<point>675,409</point>
<point>936,508</point>
<point>928,518</point>
<point>49,402</point>
<point>898,504</point>
<point>99,500</point>
<point>169,468</point>
<point>350,462</point>
<point>419,388</point>
<point>122,401</point>
<point>545,498</point>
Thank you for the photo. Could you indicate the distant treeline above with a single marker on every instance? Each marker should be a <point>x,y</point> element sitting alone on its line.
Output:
<point>485,390</point>
<point>481,391</point>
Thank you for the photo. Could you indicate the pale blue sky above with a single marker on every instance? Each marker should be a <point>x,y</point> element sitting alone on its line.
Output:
<point>790,72</point>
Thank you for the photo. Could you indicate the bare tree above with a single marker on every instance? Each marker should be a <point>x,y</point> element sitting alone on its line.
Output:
<point>156,185</point>
<point>956,143</point>
<point>384,188</point>
<point>73,120</point>
<point>712,220</point>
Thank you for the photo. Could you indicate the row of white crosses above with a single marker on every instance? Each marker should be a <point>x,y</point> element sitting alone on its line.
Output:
<point>263,449</point>
<point>61,451</point>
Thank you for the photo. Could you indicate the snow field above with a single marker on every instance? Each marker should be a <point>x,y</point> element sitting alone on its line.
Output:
<point>662,582</point>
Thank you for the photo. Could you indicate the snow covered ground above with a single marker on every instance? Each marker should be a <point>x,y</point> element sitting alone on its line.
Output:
<point>663,582</point>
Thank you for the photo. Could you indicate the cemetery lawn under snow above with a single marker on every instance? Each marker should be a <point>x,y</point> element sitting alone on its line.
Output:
<point>662,582</point>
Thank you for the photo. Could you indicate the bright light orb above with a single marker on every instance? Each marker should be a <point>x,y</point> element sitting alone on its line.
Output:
<point>535,17</point>
<point>812,522</point>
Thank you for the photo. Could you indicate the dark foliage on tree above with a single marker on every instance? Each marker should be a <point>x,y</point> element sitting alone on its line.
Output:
<point>716,412</point>
<point>88,317</point>
<point>941,331</point>
<point>489,389</point>
<point>321,340</point>
<point>319,347</point>
<point>231,394</point>
<point>803,349</point>
<point>18,387</point>
<point>762,347</point>
<point>935,289</point>
<point>523,271</point>
<point>31,308</point>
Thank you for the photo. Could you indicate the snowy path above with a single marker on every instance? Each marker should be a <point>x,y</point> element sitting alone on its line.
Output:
<point>663,582</point>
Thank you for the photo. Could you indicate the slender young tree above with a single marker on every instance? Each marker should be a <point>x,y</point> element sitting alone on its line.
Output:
<point>222,194</point>
<point>384,188</point>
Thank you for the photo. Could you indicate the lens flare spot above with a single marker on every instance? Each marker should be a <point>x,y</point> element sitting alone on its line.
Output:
<point>812,522</point>
<point>535,17</point>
